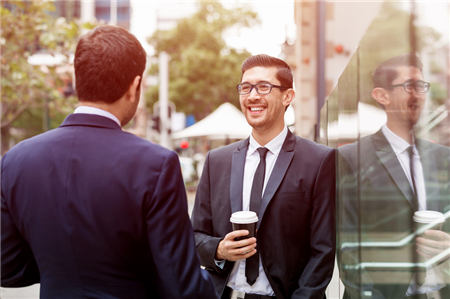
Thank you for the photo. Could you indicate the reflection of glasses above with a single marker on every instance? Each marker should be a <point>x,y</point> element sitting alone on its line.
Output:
<point>417,86</point>
<point>261,88</point>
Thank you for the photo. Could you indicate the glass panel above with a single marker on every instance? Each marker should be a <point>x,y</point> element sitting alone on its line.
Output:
<point>382,250</point>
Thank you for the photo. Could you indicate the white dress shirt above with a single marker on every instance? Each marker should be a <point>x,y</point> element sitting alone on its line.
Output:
<point>400,148</point>
<point>237,280</point>
<point>97,111</point>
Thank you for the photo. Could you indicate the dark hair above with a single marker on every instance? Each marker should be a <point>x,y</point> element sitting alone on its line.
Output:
<point>284,73</point>
<point>107,60</point>
<point>386,72</point>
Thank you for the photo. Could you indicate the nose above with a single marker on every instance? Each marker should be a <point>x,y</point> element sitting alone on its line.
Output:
<point>417,95</point>
<point>253,93</point>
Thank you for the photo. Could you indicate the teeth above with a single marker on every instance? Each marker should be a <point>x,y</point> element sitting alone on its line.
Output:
<point>256,109</point>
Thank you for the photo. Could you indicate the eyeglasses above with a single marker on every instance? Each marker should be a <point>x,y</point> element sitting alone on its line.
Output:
<point>418,86</point>
<point>261,88</point>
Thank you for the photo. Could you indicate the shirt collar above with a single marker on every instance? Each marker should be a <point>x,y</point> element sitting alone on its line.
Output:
<point>398,144</point>
<point>274,145</point>
<point>97,111</point>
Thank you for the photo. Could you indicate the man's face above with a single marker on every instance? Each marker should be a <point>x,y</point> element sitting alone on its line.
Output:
<point>403,106</point>
<point>263,112</point>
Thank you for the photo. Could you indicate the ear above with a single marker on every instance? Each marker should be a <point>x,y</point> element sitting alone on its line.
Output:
<point>288,97</point>
<point>134,89</point>
<point>381,95</point>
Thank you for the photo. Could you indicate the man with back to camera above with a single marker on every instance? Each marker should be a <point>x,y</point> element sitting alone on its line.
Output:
<point>91,211</point>
<point>295,242</point>
<point>384,179</point>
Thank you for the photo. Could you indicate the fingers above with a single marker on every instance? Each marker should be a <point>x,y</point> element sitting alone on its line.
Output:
<point>427,252</point>
<point>432,242</point>
<point>236,234</point>
<point>232,250</point>
<point>439,245</point>
<point>436,235</point>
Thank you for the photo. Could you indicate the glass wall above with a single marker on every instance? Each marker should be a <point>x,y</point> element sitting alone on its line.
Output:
<point>388,116</point>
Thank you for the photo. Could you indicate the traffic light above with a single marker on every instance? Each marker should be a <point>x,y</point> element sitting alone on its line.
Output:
<point>156,123</point>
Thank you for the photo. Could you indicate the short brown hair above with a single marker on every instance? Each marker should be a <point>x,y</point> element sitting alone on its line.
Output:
<point>107,59</point>
<point>284,73</point>
<point>386,72</point>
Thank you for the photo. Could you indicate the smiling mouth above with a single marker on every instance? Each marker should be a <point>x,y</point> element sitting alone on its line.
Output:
<point>256,109</point>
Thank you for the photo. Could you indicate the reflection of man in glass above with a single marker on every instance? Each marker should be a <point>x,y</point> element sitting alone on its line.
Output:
<point>384,178</point>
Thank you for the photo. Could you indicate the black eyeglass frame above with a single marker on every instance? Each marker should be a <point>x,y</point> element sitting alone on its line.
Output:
<point>426,86</point>
<point>255,86</point>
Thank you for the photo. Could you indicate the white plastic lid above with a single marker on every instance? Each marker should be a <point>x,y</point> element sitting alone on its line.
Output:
<point>244,217</point>
<point>428,217</point>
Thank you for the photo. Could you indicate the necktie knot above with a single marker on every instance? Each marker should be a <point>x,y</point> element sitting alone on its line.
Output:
<point>262,152</point>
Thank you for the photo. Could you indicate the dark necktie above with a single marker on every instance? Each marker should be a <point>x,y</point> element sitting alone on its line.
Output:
<point>417,275</point>
<point>252,263</point>
<point>411,170</point>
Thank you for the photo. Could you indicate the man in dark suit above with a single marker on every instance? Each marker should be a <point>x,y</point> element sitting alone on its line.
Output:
<point>91,211</point>
<point>295,241</point>
<point>384,178</point>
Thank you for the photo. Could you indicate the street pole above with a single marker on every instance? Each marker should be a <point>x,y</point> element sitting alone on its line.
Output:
<point>46,117</point>
<point>113,12</point>
<point>164,98</point>
<point>320,85</point>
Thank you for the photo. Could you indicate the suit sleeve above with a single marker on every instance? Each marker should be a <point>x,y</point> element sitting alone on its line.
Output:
<point>319,269</point>
<point>18,266</point>
<point>205,242</point>
<point>170,238</point>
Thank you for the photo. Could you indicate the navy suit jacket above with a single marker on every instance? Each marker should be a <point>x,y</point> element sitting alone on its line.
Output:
<point>296,227</point>
<point>89,210</point>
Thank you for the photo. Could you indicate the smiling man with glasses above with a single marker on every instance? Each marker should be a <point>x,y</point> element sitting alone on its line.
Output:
<point>384,178</point>
<point>292,255</point>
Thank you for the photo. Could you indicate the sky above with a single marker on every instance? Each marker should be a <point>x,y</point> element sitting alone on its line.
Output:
<point>276,17</point>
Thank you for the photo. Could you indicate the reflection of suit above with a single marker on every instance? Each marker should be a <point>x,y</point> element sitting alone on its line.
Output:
<point>296,228</point>
<point>89,210</point>
<point>375,205</point>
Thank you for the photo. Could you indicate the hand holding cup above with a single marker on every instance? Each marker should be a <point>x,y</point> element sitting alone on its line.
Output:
<point>231,250</point>
<point>241,242</point>
<point>432,241</point>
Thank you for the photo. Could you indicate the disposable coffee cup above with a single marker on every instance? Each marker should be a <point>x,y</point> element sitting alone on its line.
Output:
<point>244,220</point>
<point>425,218</point>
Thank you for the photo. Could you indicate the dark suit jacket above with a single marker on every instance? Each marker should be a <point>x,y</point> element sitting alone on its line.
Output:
<point>91,211</point>
<point>296,230</point>
<point>375,205</point>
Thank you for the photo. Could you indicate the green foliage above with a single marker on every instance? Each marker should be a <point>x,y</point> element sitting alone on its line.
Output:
<point>438,94</point>
<point>203,70</point>
<point>388,35</point>
<point>29,28</point>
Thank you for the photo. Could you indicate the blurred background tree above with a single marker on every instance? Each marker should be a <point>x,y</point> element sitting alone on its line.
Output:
<point>203,69</point>
<point>34,97</point>
<point>390,34</point>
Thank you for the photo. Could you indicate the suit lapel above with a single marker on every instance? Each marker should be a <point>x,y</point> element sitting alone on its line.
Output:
<point>279,170</point>
<point>389,160</point>
<point>237,175</point>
